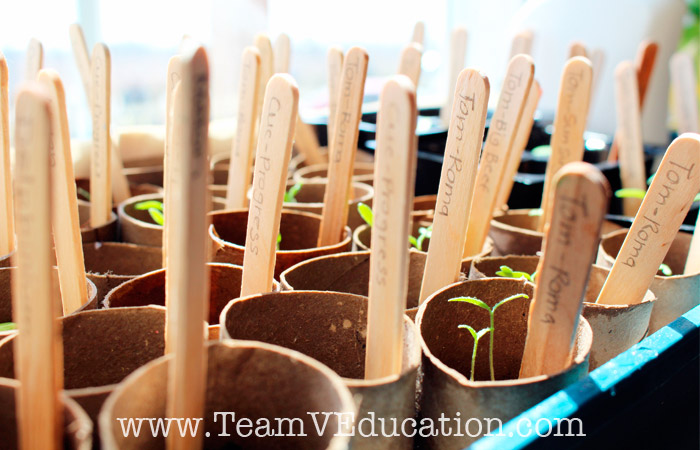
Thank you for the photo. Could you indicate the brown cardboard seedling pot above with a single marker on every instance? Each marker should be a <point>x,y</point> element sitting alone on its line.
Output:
<point>362,172</point>
<point>149,289</point>
<point>100,348</point>
<point>488,266</point>
<point>424,207</point>
<point>257,381</point>
<point>77,427</point>
<point>150,175</point>
<point>675,294</point>
<point>447,354</point>
<point>331,327</point>
<point>137,227</point>
<point>109,264</point>
<point>362,236</point>
<point>136,188</point>
<point>299,232</point>
<point>103,233</point>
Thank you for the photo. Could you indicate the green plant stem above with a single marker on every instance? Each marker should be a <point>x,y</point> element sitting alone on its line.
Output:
<point>476,343</point>
<point>491,333</point>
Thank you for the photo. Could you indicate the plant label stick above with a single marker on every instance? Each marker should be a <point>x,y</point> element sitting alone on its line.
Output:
<point>7,215</point>
<point>521,138</point>
<point>281,54</point>
<point>458,52</point>
<point>120,184</point>
<point>66,223</point>
<point>342,149</point>
<point>569,124</point>
<point>100,161</point>
<point>264,46</point>
<point>38,351</point>
<point>692,263</point>
<point>244,142</point>
<point>522,44</point>
<point>269,183</point>
<point>629,120</point>
<point>597,58</point>
<point>464,138</point>
<point>187,275</point>
<point>683,80</point>
<point>580,200</point>
<point>577,48</point>
<point>35,59</point>
<point>504,124</point>
<point>395,166</point>
<point>663,209</point>
<point>410,62</point>
<point>82,57</point>
<point>418,36</point>
<point>170,170</point>
<point>335,69</point>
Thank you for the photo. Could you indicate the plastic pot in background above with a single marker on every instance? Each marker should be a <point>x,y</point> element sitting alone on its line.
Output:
<point>447,352</point>
<point>253,380</point>
<point>299,232</point>
<point>331,327</point>
<point>103,233</point>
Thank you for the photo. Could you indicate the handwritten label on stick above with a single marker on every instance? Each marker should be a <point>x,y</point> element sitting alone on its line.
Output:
<point>458,51</point>
<point>499,141</point>
<point>409,64</point>
<point>580,200</point>
<point>38,351</point>
<point>342,148</point>
<point>269,182</point>
<point>569,124</point>
<point>7,214</point>
<point>335,70</point>
<point>663,209</point>
<point>395,162</point>
<point>100,161</point>
<point>464,138</point>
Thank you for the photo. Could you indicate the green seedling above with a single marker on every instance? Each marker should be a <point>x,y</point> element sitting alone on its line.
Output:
<point>154,208</point>
<point>279,240</point>
<point>665,269</point>
<point>366,213</point>
<point>476,335</point>
<point>85,194</point>
<point>8,326</point>
<point>492,312</point>
<point>291,195</point>
<point>542,151</point>
<point>423,232</point>
<point>535,212</point>
<point>640,193</point>
<point>507,272</point>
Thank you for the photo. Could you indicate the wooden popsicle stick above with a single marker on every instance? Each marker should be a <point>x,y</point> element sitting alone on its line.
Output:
<point>81,55</point>
<point>410,62</point>
<point>684,82</point>
<point>395,167</point>
<point>120,184</point>
<point>570,245</point>
<point>66,223</point>
<point>663,209</point>
<point>454,199</point>
<point>569,124</point>
<point>499,141</point>
<point>692,263</point>
<point>342,149</point>
<point>597,58</point>
<point>458,52</point>
<point>306,142</point>
<point>282,53</point>
<point>264,46</point>
<point>269,183</point>
<point>335,69</point>
<point>577,48</point>
<point>522,136</point>
<point>418,36</point>
<point>187,273</point>
<point>522,43</point>
<point>35,59</point>
<point>169,162</point>
<point>629,133</point>
<point>101,159</point>
<point>38,349</point>
<point>243,147</point>
<point>7,214</point>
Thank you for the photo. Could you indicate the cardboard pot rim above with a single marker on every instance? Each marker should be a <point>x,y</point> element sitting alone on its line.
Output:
<point>367,196</point>
<point>413,360</point>
<point>113,217</point>
<point>119,245</point>
<point>123,215</point>
<point>513,229</point>
<point>585,327</point>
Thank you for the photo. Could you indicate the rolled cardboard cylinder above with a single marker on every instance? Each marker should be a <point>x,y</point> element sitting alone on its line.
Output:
<point>424,207</point>
<point>362,236</point>
<point>136,188</point>
<point>77,434</point>
<point>331,327</point>
<point>103,233</point>
<point>615,327</point>
<point>447,354</point>
<point>299,232</point>
<point>362,172</point>
<point>149,289</point>
<point>109,264</point>
<point>137,226</point>
<point>100,348</point>
<point>151,175</point>
<point>675,294</point>
<point>253,380</point>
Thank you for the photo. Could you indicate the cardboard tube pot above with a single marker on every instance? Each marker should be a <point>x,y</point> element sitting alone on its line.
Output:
<point>103,233</point>
<point>135,188</point>
<point>362,236</point>
<point>100,348</point>
<point>109,264</point>
<point>488,266</point>
<point>675,294</point>
<point>137,227</point>
<point>220,167</point>
<point>424,207</point>
<point>447,356</point>
<point>253,380</point>
<point>77,434</point>
<point>362,172</point>
<point>299,232</point>
<point>151,175</point>
<point>331,327</point>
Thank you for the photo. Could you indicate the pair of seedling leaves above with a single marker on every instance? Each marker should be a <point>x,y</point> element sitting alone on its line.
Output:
<point>416,242</point>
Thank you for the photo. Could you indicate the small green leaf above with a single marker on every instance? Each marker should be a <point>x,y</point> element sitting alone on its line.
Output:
<point>482,332</point>
<point>470,329</point>
<point>532,277</point>
<point>84,193</point>
<point>542,151</point>
<point>536,212</point>
<point>149,204</point>
<point>651,178</point>
<point>505,272</point>
<point>8,326</point>
<point>665,269</point>
<point>291,195</point>
<point>697,198</point>
<point>472,300</point>
<point>279,240</point>
<point>157,216</point>
<point>630,193</point>
<point>366,213</point>
<point>507,299</point>
<point>414,242</point>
